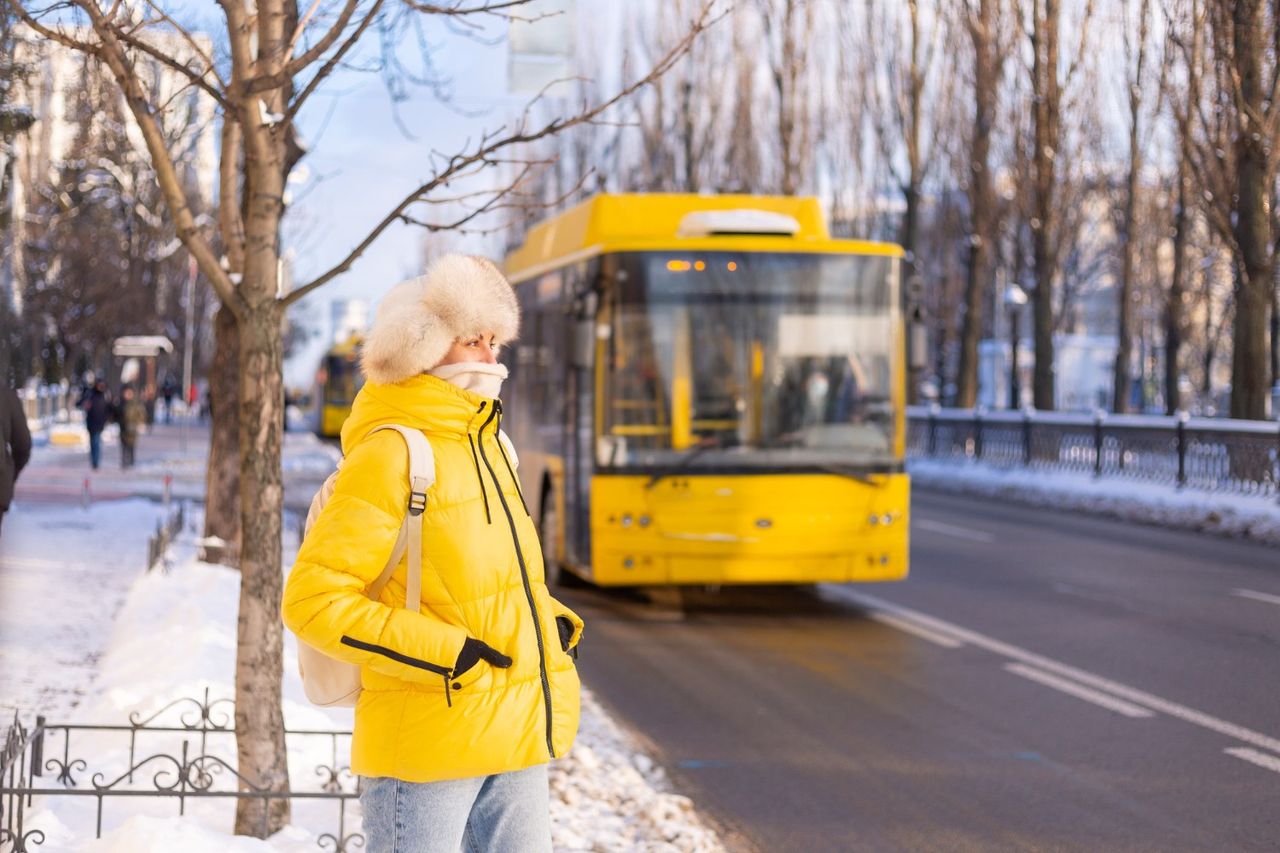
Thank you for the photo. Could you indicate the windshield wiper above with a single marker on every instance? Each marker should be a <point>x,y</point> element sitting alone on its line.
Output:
<point>701,448</point>
<point>852,475</point>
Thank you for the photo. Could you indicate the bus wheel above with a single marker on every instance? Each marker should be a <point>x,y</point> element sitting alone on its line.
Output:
<point>549,536</point>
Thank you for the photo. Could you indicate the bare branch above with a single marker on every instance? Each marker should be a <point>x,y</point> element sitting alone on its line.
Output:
<point>56,35</point>
<point>332,63</point>
<point>188,230</point>
<point>197,78</point>
<point>491,144</point>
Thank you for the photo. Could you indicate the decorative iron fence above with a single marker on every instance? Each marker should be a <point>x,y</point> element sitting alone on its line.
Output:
<point>166,531</point>
<point>43,761</point>
<point>1203,453</point>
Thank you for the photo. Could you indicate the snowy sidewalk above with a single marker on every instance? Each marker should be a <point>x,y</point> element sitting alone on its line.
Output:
<point>1245,516</point>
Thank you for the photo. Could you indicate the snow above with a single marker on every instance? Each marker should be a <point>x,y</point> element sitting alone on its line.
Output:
<point>1245,516</point>
<point>173,636</point>
<point>64,574</point>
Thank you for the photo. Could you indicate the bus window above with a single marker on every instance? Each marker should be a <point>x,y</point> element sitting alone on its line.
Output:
<point>344,379</point>
<point>789,356</point>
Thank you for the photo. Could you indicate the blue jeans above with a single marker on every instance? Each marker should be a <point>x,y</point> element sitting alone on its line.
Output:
<point>505,813</point>
<point>95,448</point>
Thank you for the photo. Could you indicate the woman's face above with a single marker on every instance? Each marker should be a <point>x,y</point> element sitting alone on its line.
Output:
<point>480,348</point>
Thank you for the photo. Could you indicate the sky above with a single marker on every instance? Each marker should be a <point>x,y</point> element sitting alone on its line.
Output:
<point>360,164</point>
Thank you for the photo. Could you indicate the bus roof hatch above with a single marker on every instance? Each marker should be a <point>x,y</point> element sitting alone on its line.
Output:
<point>709,223</point>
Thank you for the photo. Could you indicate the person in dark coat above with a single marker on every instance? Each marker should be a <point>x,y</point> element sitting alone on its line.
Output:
<point>97,414</point>
<point>130,415</point>
<point>15,445</point>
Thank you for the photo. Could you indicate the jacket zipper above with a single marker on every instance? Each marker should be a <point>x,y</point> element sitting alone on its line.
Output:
<point>524,572</point>
<point>376,649</point>
<point>483,491</point>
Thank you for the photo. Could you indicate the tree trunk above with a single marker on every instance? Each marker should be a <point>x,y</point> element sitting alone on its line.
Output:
<point>1173,309</point>
<point>1122,379</point>
<point>260,741</point>
<point>1044,227</point>
<point>1122,376</point>
<point>222,479</point>
<point>912,193</point>
<point>259,647</point>
<point>1250,359</point>
<point>981,201</point>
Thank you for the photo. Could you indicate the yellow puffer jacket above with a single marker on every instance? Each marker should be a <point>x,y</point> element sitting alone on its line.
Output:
<point>482,577</point>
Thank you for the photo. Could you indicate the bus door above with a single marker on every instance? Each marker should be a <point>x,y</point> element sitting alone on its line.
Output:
<point>579,422</point>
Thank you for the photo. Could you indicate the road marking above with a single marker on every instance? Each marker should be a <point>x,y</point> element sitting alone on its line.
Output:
<point>923,633</point>
<point>1257,596</point>
<point>1253,756</point>
<point>1079,691</point>
<point>952,530</point>
<point>1115,688</point>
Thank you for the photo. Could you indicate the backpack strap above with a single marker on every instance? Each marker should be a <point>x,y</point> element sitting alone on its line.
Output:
<point>422,474</point>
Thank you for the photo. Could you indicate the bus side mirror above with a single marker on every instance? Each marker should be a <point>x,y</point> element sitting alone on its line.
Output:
<point>917,346</point>
<point>582,350</point>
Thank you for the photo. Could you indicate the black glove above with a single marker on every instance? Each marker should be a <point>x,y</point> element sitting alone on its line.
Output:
<point>474,651</point>
<point>564,626</point>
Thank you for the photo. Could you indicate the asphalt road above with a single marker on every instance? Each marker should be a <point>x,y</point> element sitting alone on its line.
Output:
<point>1041,682</point>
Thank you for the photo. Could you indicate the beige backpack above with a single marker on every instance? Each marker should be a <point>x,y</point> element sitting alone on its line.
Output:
<point>329,682</point>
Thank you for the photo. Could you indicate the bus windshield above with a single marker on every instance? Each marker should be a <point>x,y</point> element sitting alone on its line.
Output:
<point>756,360</point>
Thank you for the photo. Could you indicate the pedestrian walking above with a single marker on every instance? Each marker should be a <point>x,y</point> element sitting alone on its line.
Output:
<point>97,414</point>
<point>168,390</point>
<point>15,446</point>
<point>130,415</point>
<point>466,700</point>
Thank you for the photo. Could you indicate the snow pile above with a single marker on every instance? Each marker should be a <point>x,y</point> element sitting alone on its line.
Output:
<point>607,794</point>
<point>175,637</point>
<point>1250,517</point>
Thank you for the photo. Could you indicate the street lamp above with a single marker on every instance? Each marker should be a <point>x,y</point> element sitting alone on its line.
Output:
<point>1014,298</point>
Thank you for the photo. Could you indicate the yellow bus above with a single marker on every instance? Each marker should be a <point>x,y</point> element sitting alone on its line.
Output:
<point>338,378</point>
<point>709,390</point>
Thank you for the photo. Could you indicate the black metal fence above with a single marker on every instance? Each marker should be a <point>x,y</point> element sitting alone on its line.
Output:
<point>1203,453</point>
<point>166,531</point>
<point>169,760</point>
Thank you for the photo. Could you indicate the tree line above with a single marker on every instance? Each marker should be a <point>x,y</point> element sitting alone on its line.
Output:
<point>1115,161</point>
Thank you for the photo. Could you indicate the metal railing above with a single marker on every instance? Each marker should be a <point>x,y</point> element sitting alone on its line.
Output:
<point>1236,456</point>
<point>166,531</point>
<point>185,771</point>
<point>48,404</point>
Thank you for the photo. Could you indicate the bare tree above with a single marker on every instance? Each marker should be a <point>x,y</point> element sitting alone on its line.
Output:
<point>1242,33</point>
<point>1048,82</point>
<point>899,62</point>
<point>787,30</point>
<point>982,20</point>
<point>1137,50</point>
<point>1184,98</point>
<point>279,57</point>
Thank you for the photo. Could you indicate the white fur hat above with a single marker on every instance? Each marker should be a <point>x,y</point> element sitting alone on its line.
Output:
<point>418,320</point>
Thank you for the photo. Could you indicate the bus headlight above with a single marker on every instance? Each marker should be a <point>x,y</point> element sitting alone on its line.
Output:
<point>626,520</point>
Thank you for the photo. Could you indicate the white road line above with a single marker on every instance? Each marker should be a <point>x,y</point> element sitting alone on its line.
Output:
<point>952,530</point>
<point>1253,756</point>
<point>1138,697</point>
<point>1257,596</point>
<point>1079,691</point>
<point>923,633</point>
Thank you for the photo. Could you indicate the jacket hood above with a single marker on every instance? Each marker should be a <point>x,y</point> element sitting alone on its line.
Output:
<point>424,402</point>
<point>418,320</point>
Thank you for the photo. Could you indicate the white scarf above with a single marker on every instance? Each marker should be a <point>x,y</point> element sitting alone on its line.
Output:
<point>476,376</point>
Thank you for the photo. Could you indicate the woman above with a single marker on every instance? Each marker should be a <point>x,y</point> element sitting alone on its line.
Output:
<point>465,701</point>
